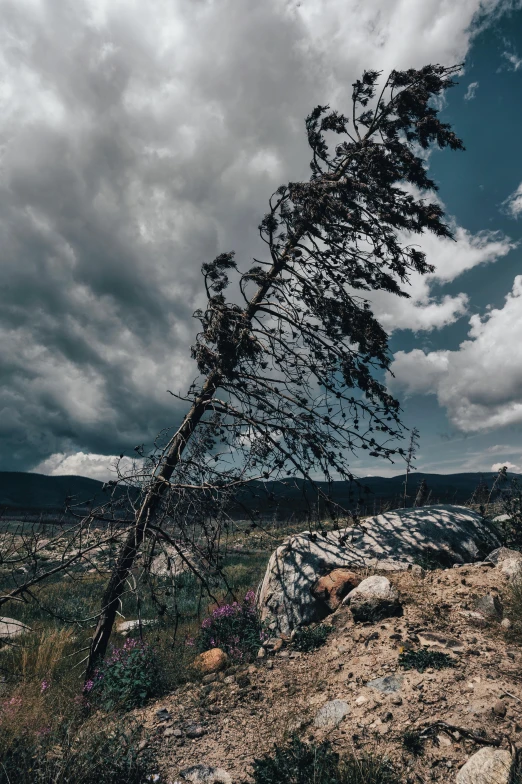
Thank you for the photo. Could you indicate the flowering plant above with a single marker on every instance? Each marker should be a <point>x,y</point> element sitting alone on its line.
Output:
<point>235,628</point>
<point>126,678</point>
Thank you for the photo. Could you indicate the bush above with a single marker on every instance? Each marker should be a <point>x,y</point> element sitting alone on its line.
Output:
<point>300,763</point>
<point>422,659</point>
<point>126,679</point>
<point>310,638</point>
<point>235,628</point>
<point>413,742</point>
<point>95,753</point>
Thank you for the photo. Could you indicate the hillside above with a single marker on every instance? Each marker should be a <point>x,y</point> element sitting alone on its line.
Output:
<point>427,721</point>
<point>19,490</point>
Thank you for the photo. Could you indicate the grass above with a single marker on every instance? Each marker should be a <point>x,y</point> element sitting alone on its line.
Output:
<point>310,638</point>
<point>301,763</point>
<point>413,742</point>
<point>44,726</point>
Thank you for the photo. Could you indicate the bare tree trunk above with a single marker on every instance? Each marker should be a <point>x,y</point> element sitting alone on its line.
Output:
<point>135,537</point>
<point>159,484</point>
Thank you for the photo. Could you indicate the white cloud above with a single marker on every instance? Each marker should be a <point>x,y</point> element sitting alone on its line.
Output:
<point>513,60</point>
<point>471,91</point>
<point>514,469</point>
<point>424,312</point>
<point>480,384</point>
<point>513,204</point>
<point>101,467</point>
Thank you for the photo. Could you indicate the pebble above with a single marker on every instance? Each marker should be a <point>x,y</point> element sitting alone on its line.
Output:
<point>499,708</point>
<point>230,679</point>
<point>195,731</point>
<point>170,732</point>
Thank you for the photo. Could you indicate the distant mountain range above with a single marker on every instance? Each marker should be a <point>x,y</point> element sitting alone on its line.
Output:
<point>26,491</point>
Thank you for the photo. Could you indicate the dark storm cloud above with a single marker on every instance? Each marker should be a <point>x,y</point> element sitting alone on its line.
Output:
<point>137,141</point>
<point>127,163</point>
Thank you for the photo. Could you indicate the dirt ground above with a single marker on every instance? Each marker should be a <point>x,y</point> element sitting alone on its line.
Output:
<point>246,710</point>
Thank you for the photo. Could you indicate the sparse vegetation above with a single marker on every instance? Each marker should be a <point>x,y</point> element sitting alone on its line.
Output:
<point>98,751</point>
<point>126,678</point>
<point>301,763</point>
<point>423,658</point>
<point>413,742</point>
<point>310,637</point>
<point>235,628</point>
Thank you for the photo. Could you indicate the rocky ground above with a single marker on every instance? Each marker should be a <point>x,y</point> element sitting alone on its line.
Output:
<point>234,716</point>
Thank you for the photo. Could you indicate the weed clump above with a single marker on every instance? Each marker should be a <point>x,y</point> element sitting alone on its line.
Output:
<point>423,658</point>
<point>126,679</point>
<point>99,752</point>
<point>413,742</point>
<point>300,763</point>
<point>309,639</point>
<point>235,628</point>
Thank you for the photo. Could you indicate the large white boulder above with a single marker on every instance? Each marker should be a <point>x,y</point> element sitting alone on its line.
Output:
<point>10,628</point>
<point>391,541</point>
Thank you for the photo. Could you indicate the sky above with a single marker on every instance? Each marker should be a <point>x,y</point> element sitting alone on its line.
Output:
<point>139,140</point>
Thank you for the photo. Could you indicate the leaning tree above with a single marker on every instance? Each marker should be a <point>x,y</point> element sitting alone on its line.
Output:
<point>286,366</point>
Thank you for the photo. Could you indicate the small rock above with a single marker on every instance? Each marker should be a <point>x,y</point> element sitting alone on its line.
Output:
<point>499,708</point>
<point>204,774</point>
<point>418,571</point>
<point>373,599</point>
<point>230,679</point>
<point>210,678</point>
<point>274,644</point>
<point>331,714</point>
<point>505,623</point>
<point>396,699</point>
<point>261,654</point>
<point>243,681</point>
<point>387,685</point>
<point>490,606</point>
<point>163,714</point>
<point>508,561</point>
<point>195,731</point>
<point>333,587</point>
<point>434,638</point>
<point>487,766</point>
<point>211,661</point>
<point>270,664</point>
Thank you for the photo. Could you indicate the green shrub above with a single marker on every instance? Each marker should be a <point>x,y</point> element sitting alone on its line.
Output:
<point>126,679</point>
<point>97,753</point>
<point>300,763</point>
<point>309,639</point>
<point>423,658</point>
<point>235,628</point>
